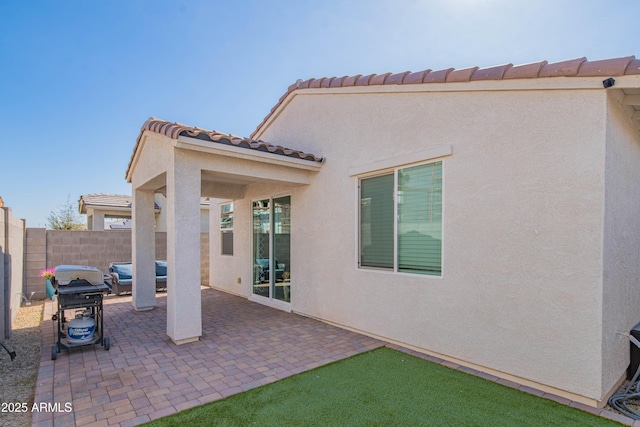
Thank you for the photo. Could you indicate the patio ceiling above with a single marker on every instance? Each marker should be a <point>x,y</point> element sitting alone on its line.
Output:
<point>214,184</point>
<point>632,99</point>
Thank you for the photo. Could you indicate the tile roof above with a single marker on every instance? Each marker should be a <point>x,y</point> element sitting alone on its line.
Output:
<point>110,200</point>
<point>114,201</point>
<point>174,130</point>
<point>579,67</point>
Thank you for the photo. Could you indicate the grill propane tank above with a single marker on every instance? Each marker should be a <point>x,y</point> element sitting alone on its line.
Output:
<point>81,328</point>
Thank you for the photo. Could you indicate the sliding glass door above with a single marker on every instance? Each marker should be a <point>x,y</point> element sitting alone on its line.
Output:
<point>261,247</point>
<point>282,248</point>
<point>272,248</point>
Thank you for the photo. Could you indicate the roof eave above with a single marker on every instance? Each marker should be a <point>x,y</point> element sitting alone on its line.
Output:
<point>581,68</point>
<point>243,153</point>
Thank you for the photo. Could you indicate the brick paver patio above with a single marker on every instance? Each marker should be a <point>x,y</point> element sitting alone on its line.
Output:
<point>145,376</point>
<point>244,345</point>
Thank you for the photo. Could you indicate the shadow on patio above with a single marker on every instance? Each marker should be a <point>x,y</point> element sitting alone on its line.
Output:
<point>145,376</point>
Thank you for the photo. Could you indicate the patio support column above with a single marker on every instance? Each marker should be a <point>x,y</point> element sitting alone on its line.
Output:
<point>184,319</point>
<point>98,221</point>
<point>143,251</point>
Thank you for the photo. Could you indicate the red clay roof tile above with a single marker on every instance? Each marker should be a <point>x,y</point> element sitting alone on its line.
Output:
<point>315,83</point>
<point>414,78</point>
<point>525,71</point>
<point>174,130</point>
<point>305,84</point>
<point>463,75</point>
<point>605,67</point>
<point>633,67</point>
<point>565,68</point>
<point>378,79</point>
<point>578,67</point>
<point>492,73</point>
<point>351,80</point>
<point>364,80</point>
<point>326,82</point>
<point>439,76</point>
<point>396,79</point>
<point>337,82</point>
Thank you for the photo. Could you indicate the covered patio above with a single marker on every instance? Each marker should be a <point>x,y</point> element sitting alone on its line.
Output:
<point>145,376</point>
<point>186,163</point>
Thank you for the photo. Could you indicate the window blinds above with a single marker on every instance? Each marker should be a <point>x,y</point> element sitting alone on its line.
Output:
<point>420,219</point>
<point>418,226</point>
<point>376,222</point>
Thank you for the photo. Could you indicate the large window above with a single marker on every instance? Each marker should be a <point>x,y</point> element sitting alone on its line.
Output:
<point>401,220</point>
<point>226,228</point>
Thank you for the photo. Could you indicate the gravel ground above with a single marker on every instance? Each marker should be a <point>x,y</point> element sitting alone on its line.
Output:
<point>20,375</point>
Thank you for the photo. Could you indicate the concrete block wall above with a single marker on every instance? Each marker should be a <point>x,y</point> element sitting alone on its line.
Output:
<point>49,248</point>
<point>94,248</point>
<point>35,259</point>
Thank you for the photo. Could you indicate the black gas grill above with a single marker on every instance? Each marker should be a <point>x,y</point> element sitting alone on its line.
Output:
<point>79,295</point>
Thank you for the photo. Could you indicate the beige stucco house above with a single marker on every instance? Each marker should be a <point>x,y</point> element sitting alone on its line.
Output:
<point>490,217</point>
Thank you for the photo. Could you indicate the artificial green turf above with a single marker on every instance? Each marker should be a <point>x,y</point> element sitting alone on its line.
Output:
<point>383,387</point>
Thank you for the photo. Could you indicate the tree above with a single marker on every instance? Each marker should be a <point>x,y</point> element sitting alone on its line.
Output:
<point>65,218</point>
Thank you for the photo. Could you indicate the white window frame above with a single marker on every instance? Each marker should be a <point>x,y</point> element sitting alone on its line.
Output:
<point>226,230</point>
<point>394,170</point>
<point>268,301</point>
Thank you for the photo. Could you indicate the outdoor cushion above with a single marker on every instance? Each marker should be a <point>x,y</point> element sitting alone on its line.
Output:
<point>125,271</point>
<point>161,268</point>
<point>263,262</point>
<point>125,281</point>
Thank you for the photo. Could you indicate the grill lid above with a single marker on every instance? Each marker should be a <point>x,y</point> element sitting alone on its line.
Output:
<point>64,274</point>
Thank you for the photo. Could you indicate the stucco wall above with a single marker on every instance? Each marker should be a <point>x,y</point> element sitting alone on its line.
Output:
<point>621,274</point>
<point>4,304</point>
<point>16,250</point>
<point>231,272</point>
<point>523,192</point>
<point>161,218</point>
<point>234,274</point>
<point>11,268</point>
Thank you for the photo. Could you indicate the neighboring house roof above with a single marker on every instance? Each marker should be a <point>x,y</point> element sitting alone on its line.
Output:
<point>114,201</point>
<point>579,67</point>
<point>174,130</point>
<point>104,200</point>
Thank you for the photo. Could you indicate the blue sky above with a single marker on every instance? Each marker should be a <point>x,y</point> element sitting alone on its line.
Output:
<point>79,78</point>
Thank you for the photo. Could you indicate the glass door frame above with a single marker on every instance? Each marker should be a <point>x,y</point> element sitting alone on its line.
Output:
<point>267,300</point>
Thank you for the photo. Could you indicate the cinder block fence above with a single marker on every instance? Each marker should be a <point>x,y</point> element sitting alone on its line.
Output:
<point>49,248</point>
<point>25,252</point>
